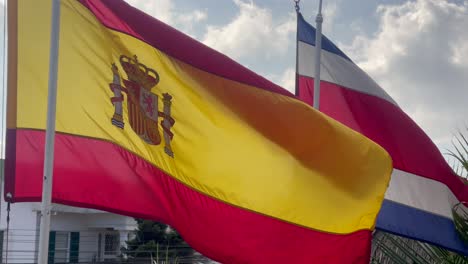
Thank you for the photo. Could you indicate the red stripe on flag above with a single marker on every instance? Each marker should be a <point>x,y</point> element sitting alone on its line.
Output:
<point>97,174</point>
<point>122,17</point>
<point>383,122</point>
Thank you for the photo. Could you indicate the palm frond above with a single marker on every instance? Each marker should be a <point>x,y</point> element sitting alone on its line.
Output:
<point>460,153</point>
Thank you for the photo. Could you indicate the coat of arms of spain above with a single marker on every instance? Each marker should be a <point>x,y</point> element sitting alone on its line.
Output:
<point>142,104</point>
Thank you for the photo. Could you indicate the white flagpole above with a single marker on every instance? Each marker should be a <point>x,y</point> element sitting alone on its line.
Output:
<point>318,51</point>
<point>296,88</point>
<point>50,134</point>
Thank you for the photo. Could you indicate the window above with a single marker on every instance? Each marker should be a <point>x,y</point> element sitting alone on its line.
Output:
<point>111,244</point>
<point>61,247</point>
<point>109,248</point>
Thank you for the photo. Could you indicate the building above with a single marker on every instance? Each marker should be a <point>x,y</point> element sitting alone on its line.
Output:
<point>77,235</point>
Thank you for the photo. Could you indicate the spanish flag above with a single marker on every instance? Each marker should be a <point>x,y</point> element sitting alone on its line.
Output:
<point>153,124</point>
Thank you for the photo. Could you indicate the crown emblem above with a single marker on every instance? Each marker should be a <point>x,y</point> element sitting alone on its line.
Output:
<point>139,73</point>
<point>142,104</point>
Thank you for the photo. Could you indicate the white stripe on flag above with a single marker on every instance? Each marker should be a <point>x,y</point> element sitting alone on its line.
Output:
<point>421,193</point>
<point>338,70</point>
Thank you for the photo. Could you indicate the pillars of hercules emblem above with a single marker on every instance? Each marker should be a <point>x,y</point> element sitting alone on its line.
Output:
<point>167,123</point>
<point>117,100</point>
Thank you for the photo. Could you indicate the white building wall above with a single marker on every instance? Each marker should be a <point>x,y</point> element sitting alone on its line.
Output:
<point>88,246</point>
<point>22,233</point>
<point>90,226</point>
<point>24,230</point>
<point>75,222</point>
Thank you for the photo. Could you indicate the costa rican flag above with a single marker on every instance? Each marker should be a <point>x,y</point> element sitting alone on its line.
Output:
<point>423,189</point>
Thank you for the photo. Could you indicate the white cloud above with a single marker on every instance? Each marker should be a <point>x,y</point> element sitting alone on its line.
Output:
<point>288,80</point>
<point>187,20</point>
<point>419,55</point>
<point>164,10</point>
<point>161,9</point>
<point>459,53</point>
<point>253,31</point>
<point>330,12</point>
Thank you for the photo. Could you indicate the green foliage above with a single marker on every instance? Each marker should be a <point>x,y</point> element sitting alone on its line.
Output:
<point>460,218</point>
<point>158,241</point>
<point>391,249</point>
<point>448,257</point>
<point>460,154</point>
<point>459,211</point>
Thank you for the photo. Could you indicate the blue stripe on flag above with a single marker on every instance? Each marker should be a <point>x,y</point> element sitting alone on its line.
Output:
<point>420,225</point>
<point>306,33</point>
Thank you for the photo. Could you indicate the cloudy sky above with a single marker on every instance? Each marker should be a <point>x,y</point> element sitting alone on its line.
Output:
<point>416,50</point>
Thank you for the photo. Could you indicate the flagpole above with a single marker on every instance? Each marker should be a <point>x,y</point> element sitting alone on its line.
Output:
<point>296,6</point>
<point>318,51</point>
<point>50,134</point>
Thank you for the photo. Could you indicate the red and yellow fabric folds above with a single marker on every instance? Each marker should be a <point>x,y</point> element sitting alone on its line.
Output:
<point>153,124</point>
